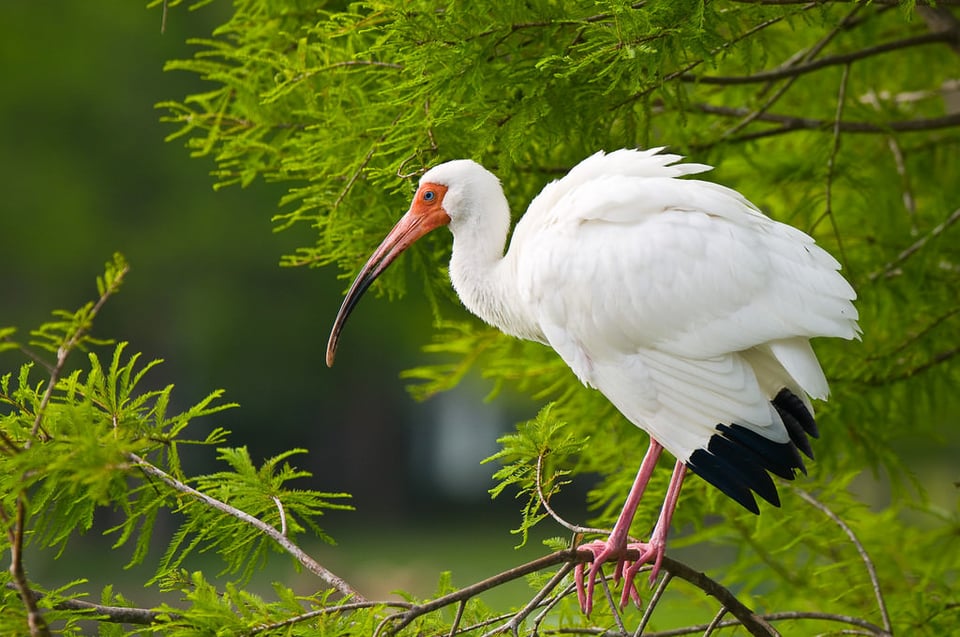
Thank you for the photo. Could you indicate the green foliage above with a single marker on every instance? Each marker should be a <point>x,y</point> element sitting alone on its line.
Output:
<point>793,102</point>
<point>532,464</point>
<point>836,117</point>
<point>101,436</point>
<point>258,492</point>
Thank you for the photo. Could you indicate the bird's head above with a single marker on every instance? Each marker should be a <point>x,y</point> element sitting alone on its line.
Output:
<point>443,197</point>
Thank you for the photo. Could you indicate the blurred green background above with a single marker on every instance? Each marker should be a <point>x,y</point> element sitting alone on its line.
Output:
<point>86,172</point>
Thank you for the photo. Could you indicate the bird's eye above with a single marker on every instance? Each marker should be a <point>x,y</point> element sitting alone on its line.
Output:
<point>429,195</point>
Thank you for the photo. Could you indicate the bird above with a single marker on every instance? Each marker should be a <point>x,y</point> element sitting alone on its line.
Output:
<point>687,307</point>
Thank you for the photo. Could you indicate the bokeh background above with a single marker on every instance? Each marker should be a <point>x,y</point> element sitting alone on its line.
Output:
<point>85,172</point>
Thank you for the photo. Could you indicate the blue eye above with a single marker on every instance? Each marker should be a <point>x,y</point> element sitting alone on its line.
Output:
<point>429,195</point>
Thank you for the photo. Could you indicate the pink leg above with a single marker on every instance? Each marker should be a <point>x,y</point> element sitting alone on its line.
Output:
<point>616,544</point>
<point>658,540</point>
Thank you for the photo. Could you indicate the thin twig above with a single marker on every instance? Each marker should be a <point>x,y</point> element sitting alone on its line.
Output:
<point>792,123</point>
<point>890,268</point>
<point>807,55</point>
<point>936,37</point>
<point>514,623</point>
<point>104,613</point>
<point>15,529</point>
<point>715,623</point>
<point>546,505</point>
<point>462,606</point>
<point>692,65</point>
<point>831,169</point>
<point>605,584</point>
<point>868,563</point>
<point>654,600</point>
<point>326,610</point>
<point>283,515</point>
<point>299,554</point>
<point>35,620</point>
<point>550,605</point>
<point>64,350</point>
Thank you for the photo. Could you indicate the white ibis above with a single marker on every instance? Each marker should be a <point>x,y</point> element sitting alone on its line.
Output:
<point>687,307</point>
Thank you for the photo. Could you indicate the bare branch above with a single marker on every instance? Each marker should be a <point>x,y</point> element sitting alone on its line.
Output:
<point>546,505</point>
<point>15,530</point>
<point>326,610</point>
<point>104,613</point>
<point>802,57</point>
<point>868,563</point>
<point>892,268</point>
<point>657,594</point>
<point>948,37</point>
<point>283,515</point>
<point>68,347</point>
<point>514,623</point>
<point>941,20</point>
<point>831,165</point>
<point>939,3</point>
<point>756,625</point>
<point>715,623</point>
<point>791,123</point>
<point>299,554</point>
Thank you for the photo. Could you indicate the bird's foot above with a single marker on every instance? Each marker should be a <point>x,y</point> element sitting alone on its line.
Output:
<point>603,551</point>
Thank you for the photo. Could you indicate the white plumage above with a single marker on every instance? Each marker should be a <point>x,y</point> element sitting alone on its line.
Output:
<point>687,307</point>
<point>652,289</point>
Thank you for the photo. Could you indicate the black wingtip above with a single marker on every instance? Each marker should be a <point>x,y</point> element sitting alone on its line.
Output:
<point>723,476</point>
<point>787,401</point>
<point>737,459</point>
<point>797,419</point>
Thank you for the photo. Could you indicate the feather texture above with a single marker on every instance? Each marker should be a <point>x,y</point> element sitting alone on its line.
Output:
<point>678,299</point>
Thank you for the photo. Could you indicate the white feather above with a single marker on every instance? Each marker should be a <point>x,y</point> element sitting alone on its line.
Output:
<point>676,298</point>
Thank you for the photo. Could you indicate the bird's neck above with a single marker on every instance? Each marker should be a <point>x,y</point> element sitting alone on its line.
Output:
<point>485,280</point>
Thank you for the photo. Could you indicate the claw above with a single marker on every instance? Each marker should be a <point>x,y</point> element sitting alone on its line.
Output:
<point>618,543</point>
<point>624,570</point>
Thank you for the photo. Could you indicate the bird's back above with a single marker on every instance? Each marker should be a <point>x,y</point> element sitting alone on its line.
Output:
<point>685,305</point>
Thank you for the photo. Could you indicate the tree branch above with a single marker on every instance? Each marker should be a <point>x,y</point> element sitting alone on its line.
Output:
<point>798,58</point>
<point>755,624</point>
<point>919,3</point>
<point>831,167</point>
<point>112,614</point>
<point>679,73</point>
<point>868,563</point>
<point>948,37</point>
<point>70,343</point>
<point>791,123</point>
<point>891,268</point>
<point>299,554</point>
<point>15,528</point>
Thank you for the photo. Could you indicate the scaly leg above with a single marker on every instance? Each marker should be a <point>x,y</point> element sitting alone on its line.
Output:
<point>657,545</point>
<point>616,544</point>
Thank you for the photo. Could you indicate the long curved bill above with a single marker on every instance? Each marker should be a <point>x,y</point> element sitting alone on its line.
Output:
<point>413,225</point>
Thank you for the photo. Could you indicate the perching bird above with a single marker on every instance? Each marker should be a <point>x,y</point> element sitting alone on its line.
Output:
<point>687,307</point>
